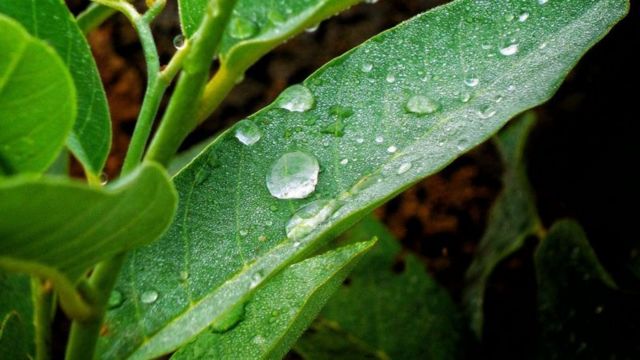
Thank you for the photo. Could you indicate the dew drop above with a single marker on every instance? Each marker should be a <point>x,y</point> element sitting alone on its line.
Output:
<point>243,232</point>
<point>465,97</point>
<point>542,2</point>
<point>276,16</point>
<point>309,217</point>
<point>509,50</point>
<point>242,28</point>
<point>259,340</point>
<point>296,98</point>
<point>255,280</point>
<point>391,78</point>
<point>344,161</point>
<point>366,67</point>
<point>542,46</point>
<point>523,17</point>
<point>115,299</point>
<point>421,105</point>
<point>313,28</point>
<point>184,276</point>
<point>392,149</point>
<point>379,139</point>
<point>149,297</point>
<point>178,42</point>
<point>104,179</point>
<point>359,140</point>
<point>370,1</point>
<point>486,111</point>
<point>404,168</point>
<point>472,81</point>
<point>293,176</point>
<point>247,132</point>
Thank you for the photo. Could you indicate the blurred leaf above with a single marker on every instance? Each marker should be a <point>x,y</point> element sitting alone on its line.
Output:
<point>16,317</point>
<point>37,106</point>
<point>280,311</point>
<point>398,128</point>
<point>51,21</point>
<point>389,306</point>
<point>513,218</point>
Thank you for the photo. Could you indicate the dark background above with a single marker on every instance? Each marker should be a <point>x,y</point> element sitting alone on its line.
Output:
<point>583,157</point>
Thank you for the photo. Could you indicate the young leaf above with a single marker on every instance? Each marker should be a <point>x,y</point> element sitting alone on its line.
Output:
<point>258,26</point>
<point>16,317</point>
<point>50,20</point>
<point>581,314</point>
<point>513,217</point>
<point>58,226</point>
<point>388,306</point>
<point>37,101</point>
<point>280,311</point>
<point>398,128</point>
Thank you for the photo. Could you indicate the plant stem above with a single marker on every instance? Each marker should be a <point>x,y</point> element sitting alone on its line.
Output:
<point>216,90</point>
<point>180,118</point>
<point>42,294</point>
<point>93,16</point>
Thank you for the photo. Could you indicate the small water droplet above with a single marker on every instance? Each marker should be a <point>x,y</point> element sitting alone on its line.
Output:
<point>542,2</point>
<point>462,144</point>
<point>276,16</point>
<point>391,78</point>
<point>115,299</point>
<point>542,46</point>
<point>243,232</point>
<point>370,1</point>
<point>184,275</point>
<point>404,168</point>
<point>293,176</point>
<point>309,217</point>
<point>421,105</point>
<point>313,28</point>
<point>391,149</point>
<point>379,139</point>
<point>273,207</point>
<point>149,297</point>
<point>247,132</point>
<point>178,42</point>
<point>296,98</point>
<point>472,81</point>
<point>498,98</point>
<point>262,238</point>
<point>509,50</point>
<point>202,175</point>
<point>255,280</point>
<point>465,97</point>
<point>509,17</point>
<point>523,17</point>
<point>104,179</point>
<point>360,140</point>
<point>259,340</point>
<point>486,111</point>
<point>344,161</point>
<point>366,67</point>
<point>242,28</point>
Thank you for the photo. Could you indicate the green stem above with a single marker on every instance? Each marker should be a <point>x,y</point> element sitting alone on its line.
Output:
<point>181,115</point>
<point>43,315</point>
<point>216,90</point>
<point>94,16</point>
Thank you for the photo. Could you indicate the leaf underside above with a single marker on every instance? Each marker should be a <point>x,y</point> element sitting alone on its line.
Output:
<point>16,317</point>
<point>230,230</point>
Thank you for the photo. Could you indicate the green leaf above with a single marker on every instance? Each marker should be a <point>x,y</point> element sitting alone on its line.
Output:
<point>280,311</point>
<point>16,317</point>
<point>389,306</point>
<point>513,218</point>
<point>582,315</point>
<point>230,230</point>
<point>50,20</point>
<point>55,226</point>
<point>37,106</point>
<point>256,27</point>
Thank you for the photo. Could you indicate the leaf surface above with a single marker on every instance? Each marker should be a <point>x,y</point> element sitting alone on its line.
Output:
<point>16,317</point>
<point>389,306</point>
<point>50,20</point>
<point>59,226</point>
<point>513,217</point>
<point>37,106</point>
<point>370,144</point>
<point>281,310</point>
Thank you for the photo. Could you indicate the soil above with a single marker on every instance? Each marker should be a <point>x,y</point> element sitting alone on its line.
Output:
<point>582,155</point>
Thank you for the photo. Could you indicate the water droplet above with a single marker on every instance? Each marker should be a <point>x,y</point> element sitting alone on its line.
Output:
<point>498,98</point>
<point>360,140</point>
<point>344,161</point>
<point>296,98</point>
<point>293,176</point>
<point>313,28</point>
<point>370,1</point>
<point>404,168</point>
<point>523,17</point>
<point>242,28</point>
<point>421,105</point>
<point>309,217</point>
<point>542,2</point>
<point>262,238</point>
<point>542,46</point>
<point>243,232</point>
<point>184,275</point>
<point>486,111</point>
<point>391,149</point>
<point>247,132</point>
<point>366,67</point>
<point>509,50</point>
<point>462,144</point>
<point>104,179</point>
<point>472,81</point>
<point>115,299</point>
<point>149,297</point>
<point>276,16</point>
<point>178,42</point>
<point>509,17</point>
<point>273,207</point>
<point>379,139</point>
<point>255,280</point>
<point>465,97</point>
<point>391,78</point>
<point>259,340</point>
<point>202,175</point>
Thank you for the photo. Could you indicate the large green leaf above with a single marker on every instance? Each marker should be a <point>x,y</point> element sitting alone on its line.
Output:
<point>37,106</point>
<point>381,118</point>
<point>581,313</point>
<point>50,20</point>
<point>16,317</point>
<point>280,311</point>
<point>392,309</point>
<point>258,26</point>
<point>57,226</point>
<point>513,218</point>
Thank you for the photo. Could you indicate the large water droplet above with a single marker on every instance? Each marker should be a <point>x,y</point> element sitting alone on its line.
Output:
<point>421,105</point>
<point>115,299</point>
<point>149,297</point>
<point>293,176</point>
<point>509,50</point>
<point>242,28</point>
<point>296,98</point>
<point>309,217</point>
<point>247,132</point>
